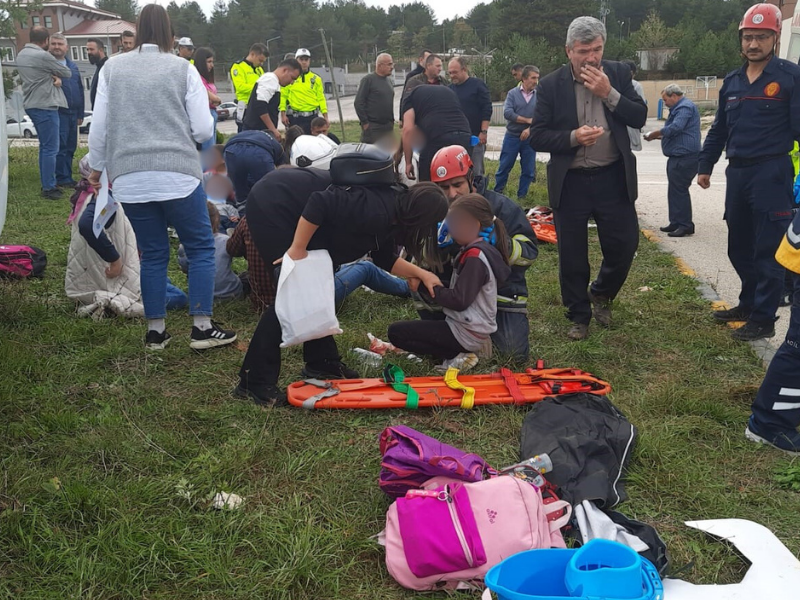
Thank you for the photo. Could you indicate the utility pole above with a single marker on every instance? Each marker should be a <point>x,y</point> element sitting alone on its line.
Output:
<point>333,81</point>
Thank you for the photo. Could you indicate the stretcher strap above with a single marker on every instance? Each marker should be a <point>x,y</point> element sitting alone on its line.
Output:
<point>328,393</point>
<point>451,380</point>
<point>511,384</point>
<point>394,376</point>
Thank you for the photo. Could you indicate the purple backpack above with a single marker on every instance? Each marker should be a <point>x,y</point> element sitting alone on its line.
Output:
<point>411,458</point>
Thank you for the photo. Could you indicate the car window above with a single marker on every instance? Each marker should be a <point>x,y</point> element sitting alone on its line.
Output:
<point>11,121</point>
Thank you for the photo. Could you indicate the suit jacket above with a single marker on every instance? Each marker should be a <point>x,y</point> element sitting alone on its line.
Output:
<point>556,118</point>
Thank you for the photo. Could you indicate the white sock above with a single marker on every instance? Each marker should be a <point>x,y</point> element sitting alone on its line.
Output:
<point>157,325</point>
<point>201,322</point>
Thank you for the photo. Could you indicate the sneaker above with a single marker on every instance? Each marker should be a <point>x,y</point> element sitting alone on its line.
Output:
<point>602,309</point>
<point>53,194</point>
<point>731,315</point>
<point>155,340</point>
<point>578,332</point>
<point>785,442</point>
<point>752,331</point>
<point>329,370</point>
<point>463,362</point>
<point>211,338</point>
<point>264,395</point>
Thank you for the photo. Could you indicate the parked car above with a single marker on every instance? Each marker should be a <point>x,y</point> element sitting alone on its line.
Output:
<point>24,128</point>
<point>87,121</point>
<point>226,110</point>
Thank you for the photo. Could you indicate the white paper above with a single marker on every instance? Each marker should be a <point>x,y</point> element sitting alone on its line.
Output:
<point>105,206</point>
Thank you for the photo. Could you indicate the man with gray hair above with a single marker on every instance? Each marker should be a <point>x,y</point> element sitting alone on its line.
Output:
<point>374,101</point>
<point>582,115</point>
<point>476,102</point>
<point>69,117</point>
<point>680,143</point>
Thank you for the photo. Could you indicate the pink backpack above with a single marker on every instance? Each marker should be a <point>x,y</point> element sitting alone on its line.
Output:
<point>20,261</point>
<point>451,533</point>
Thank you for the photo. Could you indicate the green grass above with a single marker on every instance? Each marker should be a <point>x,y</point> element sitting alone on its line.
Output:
<point>109,455</point>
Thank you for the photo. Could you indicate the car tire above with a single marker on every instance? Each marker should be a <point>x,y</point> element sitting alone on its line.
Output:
<point>27,134</point>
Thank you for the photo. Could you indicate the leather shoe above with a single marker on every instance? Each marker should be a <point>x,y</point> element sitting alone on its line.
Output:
<point>681,232</point>
<point>669,228</point>
<point>601,307</point>
<point>578,332</point>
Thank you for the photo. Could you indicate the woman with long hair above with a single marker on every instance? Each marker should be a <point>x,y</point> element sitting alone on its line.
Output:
<point>204,63</point>
<point>156,174</point>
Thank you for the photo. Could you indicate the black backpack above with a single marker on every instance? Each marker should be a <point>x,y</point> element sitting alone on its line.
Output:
<point>362,164</point>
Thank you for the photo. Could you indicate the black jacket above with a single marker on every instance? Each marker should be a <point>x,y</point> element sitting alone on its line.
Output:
<point>556,118</point>
<point>93,90</point>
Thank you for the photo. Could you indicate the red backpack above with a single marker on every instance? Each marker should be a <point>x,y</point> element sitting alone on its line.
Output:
<point>17,262</point>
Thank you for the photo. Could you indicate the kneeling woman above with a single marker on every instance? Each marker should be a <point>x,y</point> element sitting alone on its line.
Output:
<point>470,304</point>
<point>293,210</point>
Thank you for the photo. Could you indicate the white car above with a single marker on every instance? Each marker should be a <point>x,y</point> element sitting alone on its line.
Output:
<point>226,110</point>
<point>16,128</point>
<point>87,121</point>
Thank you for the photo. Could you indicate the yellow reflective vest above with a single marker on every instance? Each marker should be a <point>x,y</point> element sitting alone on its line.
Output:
<point>244,77</point>
<point>306,94</point>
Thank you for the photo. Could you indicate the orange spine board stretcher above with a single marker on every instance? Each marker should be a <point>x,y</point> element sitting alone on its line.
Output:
<point>541,220</point>
<point>504,387</point>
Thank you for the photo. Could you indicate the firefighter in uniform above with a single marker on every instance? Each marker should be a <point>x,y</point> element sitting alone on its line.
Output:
<point>244,75</point>
<point>757,123</point>
<point>776,410</point>
<point>304,100</point>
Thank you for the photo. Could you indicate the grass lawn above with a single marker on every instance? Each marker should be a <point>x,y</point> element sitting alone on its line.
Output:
<point>109,454</point>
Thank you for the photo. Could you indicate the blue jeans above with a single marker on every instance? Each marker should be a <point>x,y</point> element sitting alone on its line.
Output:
<point>680,172</point>
<point>68,142</point>
<point>213,139</point>
<point>176,297</point>
<point>352,276</point>
<point>246,164</point>
<point>513,147</point>
<point>47,128</point>
<point>189,217</point>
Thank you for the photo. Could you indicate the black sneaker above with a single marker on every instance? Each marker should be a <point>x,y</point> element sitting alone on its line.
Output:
<point>263,395</point>
<point>731,315</point>
<point>601,307</point>
<point>156,341</point>
<point>53,194</point>
<point>211,338</point>
<point>752,331</point>
<point>329,370</point>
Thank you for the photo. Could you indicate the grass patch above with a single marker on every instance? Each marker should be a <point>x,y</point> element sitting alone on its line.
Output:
<point>110,455</point>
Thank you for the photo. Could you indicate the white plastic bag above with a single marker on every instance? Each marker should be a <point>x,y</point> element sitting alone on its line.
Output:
<point>305,302</point>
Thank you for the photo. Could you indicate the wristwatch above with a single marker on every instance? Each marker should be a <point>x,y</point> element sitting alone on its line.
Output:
<point>484,131</point>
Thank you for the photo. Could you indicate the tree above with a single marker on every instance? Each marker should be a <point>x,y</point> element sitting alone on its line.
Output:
<point>127,9</point>
<point>12,12</point>
<point>463,36</point>
<point>525,50</point>
<point>546,19</point>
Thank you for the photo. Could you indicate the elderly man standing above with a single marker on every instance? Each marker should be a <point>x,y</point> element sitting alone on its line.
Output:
<point>42,96</point>
<point>518,110</point>
<point>476,103</point>
<point>680,143</point>
<point>374,101</point>
<point>582,114</point>
<point>69,118</point>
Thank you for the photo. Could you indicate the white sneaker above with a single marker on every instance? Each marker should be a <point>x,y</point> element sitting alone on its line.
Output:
<point>463,362</point>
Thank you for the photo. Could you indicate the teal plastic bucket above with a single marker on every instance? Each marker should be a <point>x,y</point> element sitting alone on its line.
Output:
<point>531,575</point>
<point>604,569</point>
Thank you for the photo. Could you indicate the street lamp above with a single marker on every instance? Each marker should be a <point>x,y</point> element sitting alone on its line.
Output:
<point>267,44</point>
<point>483,56</point>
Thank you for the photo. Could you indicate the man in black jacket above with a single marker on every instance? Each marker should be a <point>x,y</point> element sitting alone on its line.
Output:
<point>97,56</point>
<point>582,115</point>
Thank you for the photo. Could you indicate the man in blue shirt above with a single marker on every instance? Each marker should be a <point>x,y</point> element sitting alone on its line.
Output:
<point>476,103</point>
<point>70,118</point>
<point>680,143</point>
<point>757,122</point>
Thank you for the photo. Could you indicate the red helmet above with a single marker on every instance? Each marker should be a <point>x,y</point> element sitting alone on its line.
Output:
<point>762,16</point>
<point>449,163</point>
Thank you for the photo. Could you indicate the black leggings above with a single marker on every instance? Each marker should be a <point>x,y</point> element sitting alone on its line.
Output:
<point>427,338</point>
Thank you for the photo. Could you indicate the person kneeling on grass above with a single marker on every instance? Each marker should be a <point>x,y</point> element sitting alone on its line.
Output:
<point>470,303</point>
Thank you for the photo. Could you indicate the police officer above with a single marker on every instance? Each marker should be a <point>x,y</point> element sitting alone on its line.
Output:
<point>244,75</point>
<point>757,122</point>
<point>776,410</point>
<point>304,100</point>
<point>452,171</point>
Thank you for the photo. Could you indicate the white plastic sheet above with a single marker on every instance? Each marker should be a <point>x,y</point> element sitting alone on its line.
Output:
<point>305,302</point>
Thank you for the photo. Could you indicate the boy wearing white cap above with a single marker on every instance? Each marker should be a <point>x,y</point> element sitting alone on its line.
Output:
<point>304,100</point>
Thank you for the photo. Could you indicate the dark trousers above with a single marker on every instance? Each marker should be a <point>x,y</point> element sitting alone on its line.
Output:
<point>602,195</point>
<point>431,147</point>
<point>246,165</point>
<point>680,172</point>
<point>304,122</point>
<point>100,244</point>
<point>376,132</point>
<point>426,338</point>
<point>776,408</point>
<point>262,363</point>
<point>68,142</point>
<point>758,210</point>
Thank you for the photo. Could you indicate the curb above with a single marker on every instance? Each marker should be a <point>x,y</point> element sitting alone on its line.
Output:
<point>763,349</point>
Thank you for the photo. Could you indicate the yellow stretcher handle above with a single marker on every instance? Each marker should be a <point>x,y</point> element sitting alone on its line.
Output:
<point>451,380</point>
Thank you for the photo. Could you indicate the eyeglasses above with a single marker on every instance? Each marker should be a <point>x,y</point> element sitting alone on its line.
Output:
<point>761,37</point>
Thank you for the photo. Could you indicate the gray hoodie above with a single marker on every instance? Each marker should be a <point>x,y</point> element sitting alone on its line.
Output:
<point>36,68</point>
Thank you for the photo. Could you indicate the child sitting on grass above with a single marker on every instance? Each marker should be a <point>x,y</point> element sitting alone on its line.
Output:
<point>470,303</point>
<point>320,126</point>
<point>227,284</point>
<point>219,191</point>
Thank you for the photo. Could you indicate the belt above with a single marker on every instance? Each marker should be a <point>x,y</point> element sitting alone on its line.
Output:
<point>739,163</point>
<point>595,170</point>
<point>297,113</point>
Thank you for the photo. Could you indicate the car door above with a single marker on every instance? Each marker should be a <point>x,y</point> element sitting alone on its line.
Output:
<point>13,128</point>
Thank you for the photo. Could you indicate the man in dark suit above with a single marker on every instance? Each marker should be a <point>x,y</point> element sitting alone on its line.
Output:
<point>582,115</point>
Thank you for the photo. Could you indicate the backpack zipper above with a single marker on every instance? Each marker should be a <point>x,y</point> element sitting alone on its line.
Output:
<point>457,525</point>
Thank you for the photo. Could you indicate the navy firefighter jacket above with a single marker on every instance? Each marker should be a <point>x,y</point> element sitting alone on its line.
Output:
<point>755,120</point>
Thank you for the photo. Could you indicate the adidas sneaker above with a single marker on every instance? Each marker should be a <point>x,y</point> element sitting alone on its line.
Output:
<point>211,338</point>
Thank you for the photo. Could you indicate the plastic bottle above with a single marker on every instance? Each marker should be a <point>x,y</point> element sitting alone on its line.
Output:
<point>371,359</point>
<point>540,462</point>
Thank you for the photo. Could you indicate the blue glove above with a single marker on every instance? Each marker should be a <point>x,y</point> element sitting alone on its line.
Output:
<point>444,238</point>
<point>488,235</point>
<point>797,190</point>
